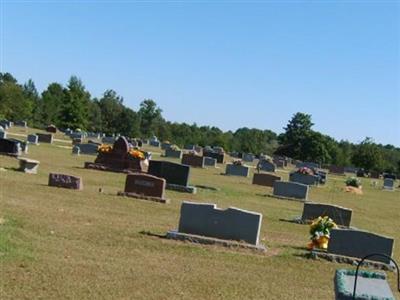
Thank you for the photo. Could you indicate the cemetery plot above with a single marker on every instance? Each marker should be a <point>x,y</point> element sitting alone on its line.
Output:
<point>205,223</point>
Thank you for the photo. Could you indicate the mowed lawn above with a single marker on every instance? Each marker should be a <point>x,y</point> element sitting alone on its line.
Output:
<point>64,244</point>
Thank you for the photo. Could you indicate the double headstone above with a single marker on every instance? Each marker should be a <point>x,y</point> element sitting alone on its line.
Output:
<point>266,165</point>
<point>303,178</point>
<point>45,138</point>
<point>291,190</point>
<point>358,244</point>
<point>193,160</point>
<point>231,224</point>
<point>173,153</point>
<point>265,179</point>
<point>237,170</point>
<point>340,215</point>
<point>176,175</point>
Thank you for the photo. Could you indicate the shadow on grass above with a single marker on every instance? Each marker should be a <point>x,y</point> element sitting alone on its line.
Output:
<point>148,233</point>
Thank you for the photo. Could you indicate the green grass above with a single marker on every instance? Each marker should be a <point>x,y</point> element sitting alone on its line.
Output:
<point>90,245</point>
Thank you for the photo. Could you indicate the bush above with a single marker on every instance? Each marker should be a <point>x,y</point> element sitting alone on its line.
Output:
<point>353,181</point>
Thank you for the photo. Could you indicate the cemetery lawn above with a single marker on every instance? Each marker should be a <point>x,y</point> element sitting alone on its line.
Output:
<point>57,243</point>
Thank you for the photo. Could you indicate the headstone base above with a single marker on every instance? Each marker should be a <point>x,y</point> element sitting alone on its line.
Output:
<point>315,254</point>
<point>142,197</point>
<point>287,198</point>
<point>181,188</point>
<point>175,235</point>
<point>101,167</point>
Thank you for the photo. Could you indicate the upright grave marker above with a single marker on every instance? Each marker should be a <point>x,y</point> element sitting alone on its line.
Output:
<point>388,184</point>
<point>304,178</point>
<point>33,139</point>
<point>265,179</point>
<point>340,215</point>
<point>144,186</point>
<point>193,160</point>
<point>203,220</point>
<point>65,181</point>
<point>237,170</point>
<point>45,138</point>
<point>294,190</point>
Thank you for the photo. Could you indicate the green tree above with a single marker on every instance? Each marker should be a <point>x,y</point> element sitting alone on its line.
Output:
<point>150,117</point>
<point>367,155</point>
<point>74,112</point>
<point>52,103</point>
<point>111,108</point>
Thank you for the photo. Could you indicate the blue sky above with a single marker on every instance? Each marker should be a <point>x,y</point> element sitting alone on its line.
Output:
<point>224,63</point>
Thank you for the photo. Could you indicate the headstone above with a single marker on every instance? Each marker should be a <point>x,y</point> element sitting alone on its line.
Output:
<point>108,140</point>
<point>265,165</point>
<point>291,190</point>
<point>51,128</point>
<point>303,178</point>
<point>220,157</point>
<point>237,170</point>
<point>29,166</point>
<point>340,215</point>
<point>33,139</point>
<point>360,173</point>
<point>173,173</point>
<point>358,244</point>
<point>10,147</point>
<point>165,146</point>
<point>370,285</point>
<point>193,160</point>
<point>388,184</point>
<point>374,174</point>
<point>310,165</point>
<point>231,224</point>
<point>146,185</point>
<point>76,150</point>
<point>21,124</point>
<point>155,144</point>
<point>210,162</point>
<point>3,134</point>
<point>173,153</point>
<point>336,169</point>
<point>248,157</point>
<point>65,181</point>
<point>89,149</point>
<point>265,179</point>
<point>45,138</point>
<point>390,176</point>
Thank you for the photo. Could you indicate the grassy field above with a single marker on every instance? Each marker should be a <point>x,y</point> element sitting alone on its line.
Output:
<point>58,243</point>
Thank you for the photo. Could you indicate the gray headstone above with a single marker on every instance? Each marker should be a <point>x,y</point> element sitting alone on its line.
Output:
<point>248,157</point>
<point>291,190</point>
<point>230,224</point>
<point>155,144</point>
<point>33,139</point>
<point>340,215</point>
<point>3,134</point>
<point>237,170</point>
<point>303,178</point>
<point>90,148</point>
<point>358,244</point>
<point>76,150</point>
<point>388,184</point>
<point>173,153</point>
<point>210,162</point>
<point>267,166</point>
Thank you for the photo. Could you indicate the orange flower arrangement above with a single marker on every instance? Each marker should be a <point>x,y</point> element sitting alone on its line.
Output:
<point>105,148</point>
<point>136,154</point>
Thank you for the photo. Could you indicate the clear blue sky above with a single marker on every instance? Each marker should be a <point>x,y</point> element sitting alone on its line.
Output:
<point>227,64</point>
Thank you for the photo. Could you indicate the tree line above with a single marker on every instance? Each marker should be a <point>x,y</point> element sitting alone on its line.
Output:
<point>72,106</point>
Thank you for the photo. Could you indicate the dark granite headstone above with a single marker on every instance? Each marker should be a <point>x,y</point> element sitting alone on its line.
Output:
<point>357,243</point>
<point>65,181</point>
<point>193,160</point>
<point>144,184</point>
<point>265,179</point>
<point>304,178</point>
<point>340,215</point>
<point>10,147</point>
<point>290,190</point>
<point>173,173</point>
<point>45,138</point>
<point>220,157</point>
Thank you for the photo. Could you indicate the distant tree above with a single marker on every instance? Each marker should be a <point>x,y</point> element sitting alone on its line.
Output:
<point>14,105</point>
<point>95,122</point>
<point>150,117</point>
<point>32,96</point>
<point>367,155</point>
<point>111,107</point>
<point>52,102</point>
<point>74,112</point>
<point>129,123</point>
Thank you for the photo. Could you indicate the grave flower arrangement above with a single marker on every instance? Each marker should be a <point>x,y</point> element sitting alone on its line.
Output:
<point>353,181</point>
<point>320,232</point>
<point>105,148</point>
<point>136,154</point>
<point>305,171</point>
